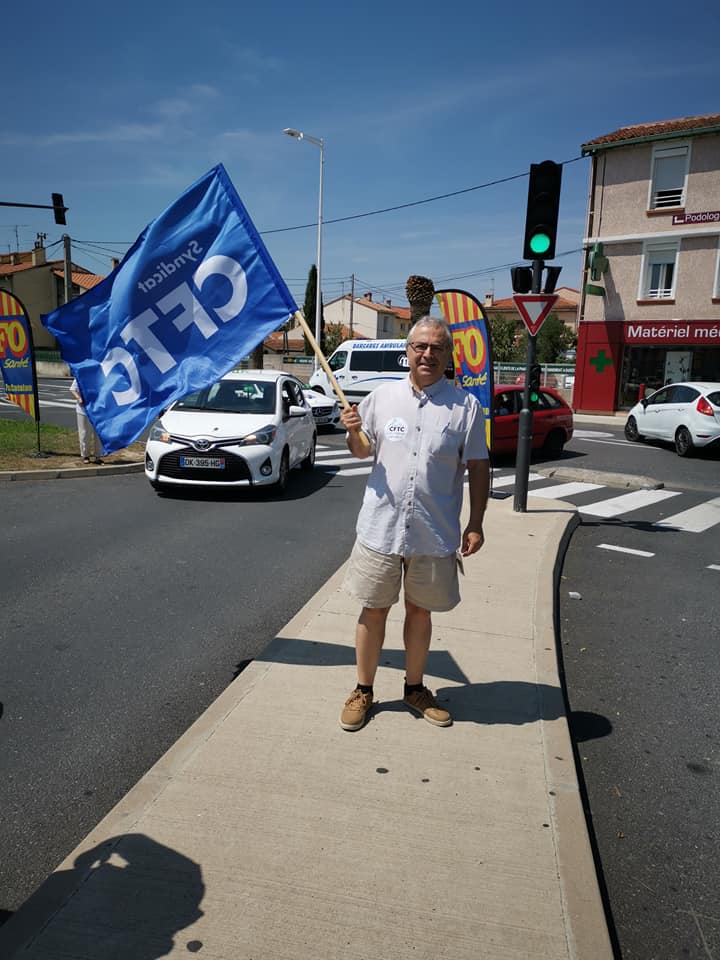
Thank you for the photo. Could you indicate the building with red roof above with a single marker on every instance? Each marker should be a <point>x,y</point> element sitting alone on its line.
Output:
<point>649,308</point>
<point>39,284</point>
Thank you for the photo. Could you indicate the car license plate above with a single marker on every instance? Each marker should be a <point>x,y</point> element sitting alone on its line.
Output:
<point>322,419</point>
<point>212,463</point>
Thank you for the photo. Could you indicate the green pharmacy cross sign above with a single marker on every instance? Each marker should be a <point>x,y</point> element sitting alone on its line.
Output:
<point>601,361</point>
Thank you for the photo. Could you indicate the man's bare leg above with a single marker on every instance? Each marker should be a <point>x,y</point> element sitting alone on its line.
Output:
<point>417,631</point>
<point>369,639</point>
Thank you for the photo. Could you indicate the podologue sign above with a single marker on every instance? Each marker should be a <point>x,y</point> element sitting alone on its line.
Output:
<point>534,308</point>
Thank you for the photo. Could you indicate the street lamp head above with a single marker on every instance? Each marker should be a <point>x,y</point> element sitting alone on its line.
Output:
<point>293,133</point>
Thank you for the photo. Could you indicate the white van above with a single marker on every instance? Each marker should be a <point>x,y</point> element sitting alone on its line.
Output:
<point>359,366</point>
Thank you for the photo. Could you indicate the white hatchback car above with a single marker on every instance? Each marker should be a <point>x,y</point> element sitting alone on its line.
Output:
<point>248,429</point>
<point>686,414</point>
<point>325,410</point>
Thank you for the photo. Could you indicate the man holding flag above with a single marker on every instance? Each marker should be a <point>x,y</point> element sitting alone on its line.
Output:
<point>423,433</point>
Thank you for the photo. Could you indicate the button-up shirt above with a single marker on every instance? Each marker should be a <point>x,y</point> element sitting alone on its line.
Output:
<point>421,443</point>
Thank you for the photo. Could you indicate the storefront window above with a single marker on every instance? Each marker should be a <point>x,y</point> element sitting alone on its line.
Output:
<point>642,367</point>
<point>706,364</point>
<point>648,368</point>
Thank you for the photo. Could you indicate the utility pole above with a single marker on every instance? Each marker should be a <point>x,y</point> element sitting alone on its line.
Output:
<point>352,302</point>
<point>68,267</point>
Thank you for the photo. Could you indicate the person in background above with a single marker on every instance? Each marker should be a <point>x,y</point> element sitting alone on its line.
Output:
<point>90,445</point>
<point>423,432</point>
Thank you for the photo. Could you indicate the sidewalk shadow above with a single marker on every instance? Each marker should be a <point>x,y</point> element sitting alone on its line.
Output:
<point>319,653</point>
<point>130,892</point>
<point>503,702</point>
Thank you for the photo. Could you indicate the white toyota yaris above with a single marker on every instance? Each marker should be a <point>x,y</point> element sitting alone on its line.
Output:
<point>248,429</point>
<point>686,414</point>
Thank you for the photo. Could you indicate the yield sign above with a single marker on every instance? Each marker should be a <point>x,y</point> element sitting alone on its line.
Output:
<point>534,308</point>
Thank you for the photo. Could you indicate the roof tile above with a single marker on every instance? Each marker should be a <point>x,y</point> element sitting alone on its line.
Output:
<point>658,128</point>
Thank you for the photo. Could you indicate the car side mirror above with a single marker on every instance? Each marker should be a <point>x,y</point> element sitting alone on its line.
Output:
<point>297,411</point>
<point>644,402</point>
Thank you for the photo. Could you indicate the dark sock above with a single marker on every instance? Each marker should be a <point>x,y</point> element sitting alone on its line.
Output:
<point>365,688</point>
<point>413,688</point>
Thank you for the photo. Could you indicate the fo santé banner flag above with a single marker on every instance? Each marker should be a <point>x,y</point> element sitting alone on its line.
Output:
<point>194,294</point>
<point>17,359</point>
<point>472,350</point>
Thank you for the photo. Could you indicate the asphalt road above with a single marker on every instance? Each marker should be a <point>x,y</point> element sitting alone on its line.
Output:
<point>639,641</point>
<point>125,614</point>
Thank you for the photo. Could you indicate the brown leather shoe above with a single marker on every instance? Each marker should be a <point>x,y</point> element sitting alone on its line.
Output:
<point>424,704</point>
<point>356,710</point>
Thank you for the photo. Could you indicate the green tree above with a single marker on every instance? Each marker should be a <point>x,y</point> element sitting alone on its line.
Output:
<point>309,311</point>
<point>553,339</point>
<point>503,336</point>
<point>334,336</point>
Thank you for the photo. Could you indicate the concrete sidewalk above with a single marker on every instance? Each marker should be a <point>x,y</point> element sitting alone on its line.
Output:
<point>267,832</point>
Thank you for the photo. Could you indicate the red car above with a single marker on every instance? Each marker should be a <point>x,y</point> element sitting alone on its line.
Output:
<point>552,420</point>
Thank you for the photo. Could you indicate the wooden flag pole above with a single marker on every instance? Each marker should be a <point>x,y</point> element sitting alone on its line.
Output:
<point>326,367</point>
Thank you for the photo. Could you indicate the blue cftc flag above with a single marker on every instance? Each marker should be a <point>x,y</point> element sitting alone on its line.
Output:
<point>195,293</point>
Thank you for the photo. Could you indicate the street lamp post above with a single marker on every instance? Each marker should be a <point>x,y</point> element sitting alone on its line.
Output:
<point>318,141</point>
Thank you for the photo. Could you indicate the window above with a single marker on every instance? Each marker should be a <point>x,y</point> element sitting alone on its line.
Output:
<point>549,401</point>
<point>683,394</point>
<point>379,360</point>
<point>662,396</point>
<point>658,282</point>
<point>338,360</point>
<point>669,173</point>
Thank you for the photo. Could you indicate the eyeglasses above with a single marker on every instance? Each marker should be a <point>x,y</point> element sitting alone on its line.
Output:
<point>435,349</point>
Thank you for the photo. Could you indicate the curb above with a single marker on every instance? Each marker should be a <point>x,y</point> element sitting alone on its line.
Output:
<point>72,473</point>
<point>622,480</point>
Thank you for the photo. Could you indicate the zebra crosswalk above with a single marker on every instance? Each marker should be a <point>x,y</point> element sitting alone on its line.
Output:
<point>591,499</point>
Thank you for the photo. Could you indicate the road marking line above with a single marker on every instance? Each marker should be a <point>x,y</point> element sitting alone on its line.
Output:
<point>324,461</point>
<point>627,502</point>
<point>696,519</point>
<point>616,443</point>
<point>636,553</point>
<point>714,566</point>
<point>508,481</point>
<point>352,472</point>
<point>561,490</point>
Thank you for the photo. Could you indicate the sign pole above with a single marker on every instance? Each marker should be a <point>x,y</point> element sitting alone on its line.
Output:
<point>522,460</point>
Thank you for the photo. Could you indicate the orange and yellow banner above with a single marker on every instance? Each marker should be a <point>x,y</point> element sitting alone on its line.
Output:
<point>17,362</point>
<point>472,352</point>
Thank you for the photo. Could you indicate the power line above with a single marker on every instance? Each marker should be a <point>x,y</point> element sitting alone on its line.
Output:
<point>374,213</point>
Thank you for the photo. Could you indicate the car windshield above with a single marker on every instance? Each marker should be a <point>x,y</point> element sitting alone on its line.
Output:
<point>232,396</point>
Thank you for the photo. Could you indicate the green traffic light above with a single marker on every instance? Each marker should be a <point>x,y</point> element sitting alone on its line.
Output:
<point>540,243</point>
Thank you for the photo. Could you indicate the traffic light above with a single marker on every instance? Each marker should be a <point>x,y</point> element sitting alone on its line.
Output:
<point>59,208</point>
<point>521,279</point>
<point>597,262</point>
<point>542,210</point>
<point>534,384</point>
<point>551,276</point>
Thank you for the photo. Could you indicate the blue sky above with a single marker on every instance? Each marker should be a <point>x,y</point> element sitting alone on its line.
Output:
<point>122,107</point>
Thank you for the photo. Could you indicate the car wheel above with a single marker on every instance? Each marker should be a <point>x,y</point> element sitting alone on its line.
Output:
<point>631,430</point>
<point>554,443</point>
<point>683,442</point>
<point>280,485</point>
<point>309,462</point>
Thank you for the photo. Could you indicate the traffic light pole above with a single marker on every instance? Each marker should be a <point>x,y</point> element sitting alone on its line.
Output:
<point>522,461</point>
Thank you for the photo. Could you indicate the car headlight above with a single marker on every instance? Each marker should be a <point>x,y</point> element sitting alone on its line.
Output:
<point>158,432</point>
<point>264,436</point>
